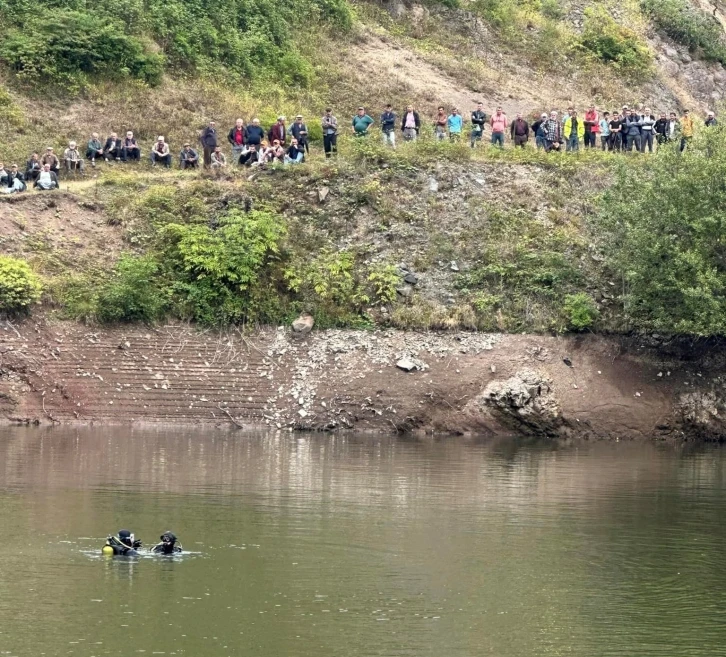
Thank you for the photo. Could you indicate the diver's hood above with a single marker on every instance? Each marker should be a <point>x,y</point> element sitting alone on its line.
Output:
<point>168,537</point>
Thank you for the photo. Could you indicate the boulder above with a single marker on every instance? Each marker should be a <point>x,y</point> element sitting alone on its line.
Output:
<point>303,324</point>
<point>406,364</point>
<point>411,278</point>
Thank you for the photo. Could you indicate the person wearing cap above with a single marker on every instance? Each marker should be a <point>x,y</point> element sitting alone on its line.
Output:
<point>236,137</point>
<point>72,158</point>
<point>454,124</point>
<point>300,131</point>
<point>47,179</point>
<point>160,153</point>
<point>208,140</point>
<point>50,158</point>
<point>330,132</point>
<point>130,149</point>
<point>388,126</point>
<point>604,125</point>
<point>16,181</point>
<point>94,149</point>
<point>254,134</point>
<point>710,120</point>
<point>219,161</point>
<point>478,121</point>
<point>410,124</point>
<point>361,122</point>
<point>112,148</point>
<point>538,130</point>
<point>278,131</point>
<point>686,129</point>
<point>33,168</point>
<point>188,157</point>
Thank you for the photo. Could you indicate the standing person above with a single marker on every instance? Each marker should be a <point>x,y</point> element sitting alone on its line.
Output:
<point>552,130</point>
<point>51,159</point>
<point>519,131</point>
<point>631,126</point>
<point>567,115</point>
<point>278,131</point>
<point>361,122</point>
<point>236,138</point>
<point>388,126</point>
<point>661,129</point>
<point>478,121</point>
<point>538,130</point>
<point>72,158</point>
<point>499,124</point>
<point>33,168</point>
<point>161,153</point>
<point>441,123</point>
<point>209,142</point>
<point>330,132</point>
<point>94,149</point>
<point>188,157</point>
<point>112,148</point>
<point>47,179</point>
<point>647,130</point>
<point>454,124</point>
<point>710,120</point>
<point>573,131</point>
<point>254,134</point>
<point>616,132</point>
<point>686,123</point>
<point>592,127</point>
<point>130,149</point>
<point>410,124</point>
<point>605,132</point>
<point>300,131</point>
<point>219,161</point>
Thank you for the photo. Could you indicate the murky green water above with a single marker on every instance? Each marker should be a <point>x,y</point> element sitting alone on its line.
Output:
<point>318,546</point>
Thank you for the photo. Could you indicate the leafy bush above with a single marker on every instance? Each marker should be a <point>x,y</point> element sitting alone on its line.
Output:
<point>19,286</point>
<point>611,43</point>
<point>665,232</point>
<point>132,294</point>
<point>689,26</point>
<point>580,311</point>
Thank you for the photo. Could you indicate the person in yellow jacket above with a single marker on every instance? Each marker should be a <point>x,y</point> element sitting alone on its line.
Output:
<point>686,124</point>
<point>573,131</point>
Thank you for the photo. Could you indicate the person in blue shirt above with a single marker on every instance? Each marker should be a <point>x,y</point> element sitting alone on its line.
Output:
<point>605,132</point>
<point>455,124</point>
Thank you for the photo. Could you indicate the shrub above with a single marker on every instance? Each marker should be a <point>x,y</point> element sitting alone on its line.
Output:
<point>19,285</point>
<point>580,311</point>
<point>132,294</point>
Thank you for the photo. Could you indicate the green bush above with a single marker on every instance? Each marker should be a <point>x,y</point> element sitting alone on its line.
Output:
<point>132,294</point>
<point>614,44</point>
<point>689,26</point>
<point>580,311</point>
<point>19,286</point>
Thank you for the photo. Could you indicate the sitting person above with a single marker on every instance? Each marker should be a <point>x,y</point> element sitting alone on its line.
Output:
<point>72,158</point>
<point>124,544</point>
<point>168,544</point>
<point>219,161</point>
<point>300,131</point>
<point>4,178</point>
<point>17,180</point>
<point>47,179</point>
<point>250,157</point>
<point>277,152</point>
<point>188,157</point>
<point>130,149</point>
<point>112,148</point>
<point>49,157</point>
<point>160,153</point>
<point>295,153</point>
<point>94,149</point>
<point>33,168</point>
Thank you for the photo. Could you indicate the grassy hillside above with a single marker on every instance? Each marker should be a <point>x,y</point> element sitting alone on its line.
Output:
<point>496,241</point>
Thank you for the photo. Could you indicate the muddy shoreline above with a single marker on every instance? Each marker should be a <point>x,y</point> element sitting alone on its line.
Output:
<point>461,383</point>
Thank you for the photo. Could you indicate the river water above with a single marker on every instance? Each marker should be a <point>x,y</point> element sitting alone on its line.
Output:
<point>322,546</point>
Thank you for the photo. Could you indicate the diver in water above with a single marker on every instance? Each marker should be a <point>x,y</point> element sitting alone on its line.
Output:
<point>124,544</point>
<point>168,544</point>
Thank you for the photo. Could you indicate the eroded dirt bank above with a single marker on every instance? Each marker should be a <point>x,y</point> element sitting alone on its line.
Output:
<point>462,382</point>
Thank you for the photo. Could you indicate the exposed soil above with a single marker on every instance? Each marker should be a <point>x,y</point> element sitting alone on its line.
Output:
<point>461,382</point>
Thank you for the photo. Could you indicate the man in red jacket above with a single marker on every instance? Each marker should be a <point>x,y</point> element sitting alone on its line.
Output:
<point>278,131</point>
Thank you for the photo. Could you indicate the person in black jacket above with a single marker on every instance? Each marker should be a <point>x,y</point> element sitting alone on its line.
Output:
<point>410,124</point>
<point>113,147</point>
<point>236,137</point>
<point>33,168</point>
<point>478,121</point>
<point>388,126</point>
<point>538,132</point>
<point>209,142</point>
<point>16,182</point>
<point>300,132</point>
<point>519,130</point>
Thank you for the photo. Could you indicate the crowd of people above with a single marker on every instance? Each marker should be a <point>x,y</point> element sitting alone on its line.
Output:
<point>630,129</point>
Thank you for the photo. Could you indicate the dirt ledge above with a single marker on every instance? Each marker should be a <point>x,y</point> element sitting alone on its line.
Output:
<point>463,383</point>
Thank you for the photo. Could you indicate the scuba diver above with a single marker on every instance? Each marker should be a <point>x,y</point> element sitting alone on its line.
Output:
<point>168,544</point>
<point>122,545</point>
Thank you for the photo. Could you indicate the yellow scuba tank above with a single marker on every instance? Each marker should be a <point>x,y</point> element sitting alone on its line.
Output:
<point>107,550</point>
